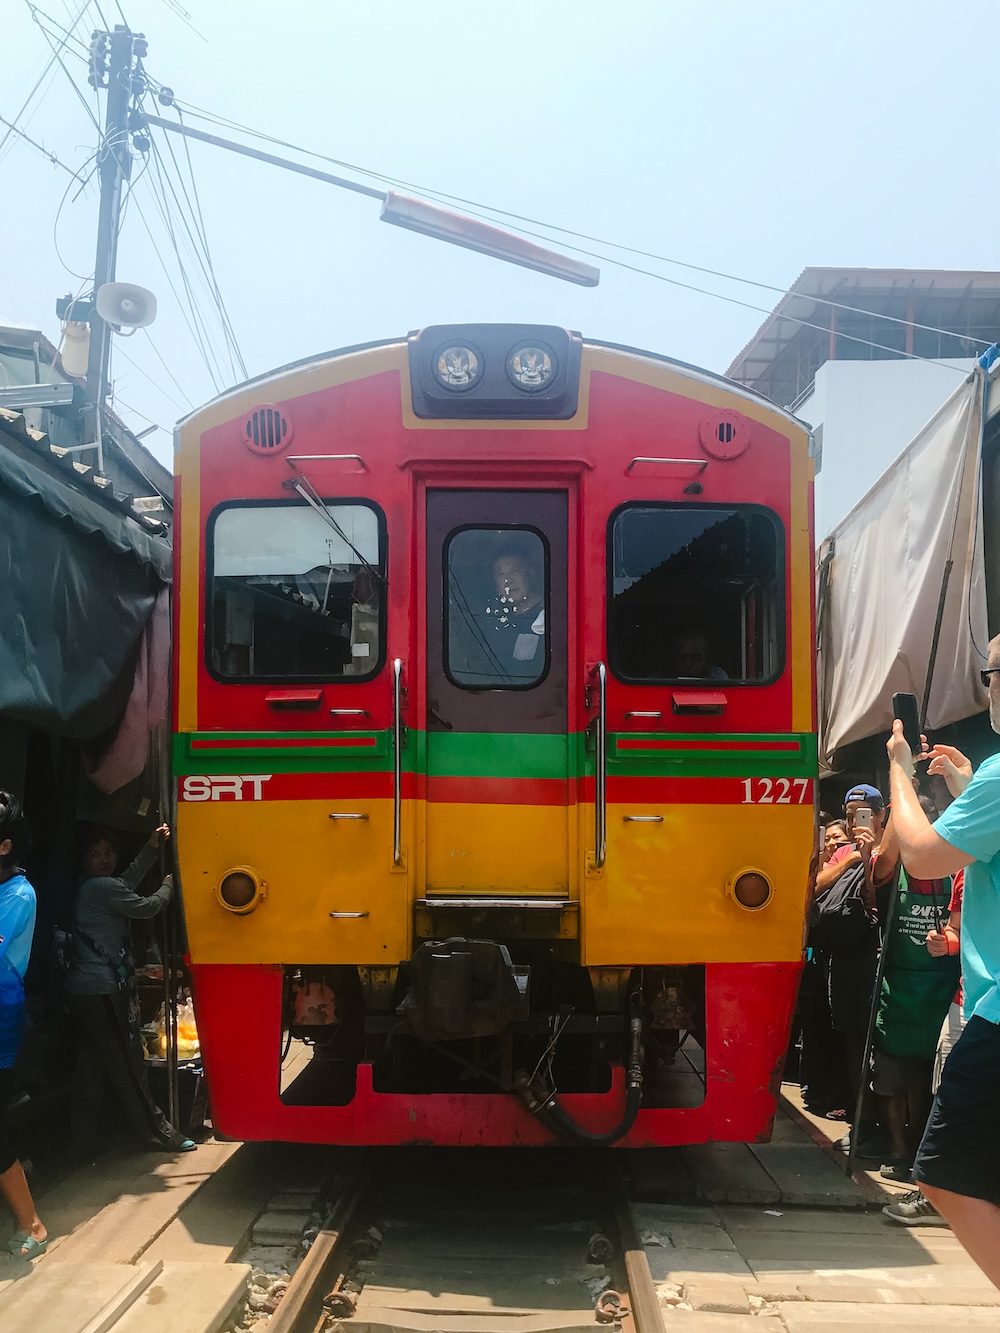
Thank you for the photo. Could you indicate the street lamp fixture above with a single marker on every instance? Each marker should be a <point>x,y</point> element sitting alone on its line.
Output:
<point>403,210</point>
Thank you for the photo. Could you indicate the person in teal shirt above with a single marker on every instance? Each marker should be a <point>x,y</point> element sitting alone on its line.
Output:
<point>17,925</point>
<point>958,1162</point>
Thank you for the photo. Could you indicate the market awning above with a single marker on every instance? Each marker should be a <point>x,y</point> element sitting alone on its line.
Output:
<point>905,565</point>
<point>79,582</point>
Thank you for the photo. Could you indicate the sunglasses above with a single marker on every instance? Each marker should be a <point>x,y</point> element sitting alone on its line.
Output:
<point>984,676</point>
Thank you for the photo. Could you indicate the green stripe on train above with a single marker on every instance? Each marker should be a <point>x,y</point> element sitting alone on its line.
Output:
<point>481,755</point>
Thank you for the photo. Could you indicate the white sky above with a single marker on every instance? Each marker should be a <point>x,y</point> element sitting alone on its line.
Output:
<point>754,139</point>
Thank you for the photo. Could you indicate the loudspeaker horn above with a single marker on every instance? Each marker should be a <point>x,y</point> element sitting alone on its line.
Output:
<point>125,305</point>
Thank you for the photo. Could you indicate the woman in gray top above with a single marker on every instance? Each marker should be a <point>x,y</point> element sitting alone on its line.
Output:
<point>100,994</point>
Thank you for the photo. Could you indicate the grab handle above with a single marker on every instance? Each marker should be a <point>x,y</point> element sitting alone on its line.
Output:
<point>397,762</point>
<point>601,770</point>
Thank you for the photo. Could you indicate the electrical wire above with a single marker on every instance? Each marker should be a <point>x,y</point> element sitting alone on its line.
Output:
<point>146,375</point>
<point>45,152</point>
<point>239,368</point>
<point>197,245</point>
<point>62,203</point>
<point>490,213</point>
<point>57,55</point>
<point>160,195</point>
<point>181,306</point>
<point>12,127</point>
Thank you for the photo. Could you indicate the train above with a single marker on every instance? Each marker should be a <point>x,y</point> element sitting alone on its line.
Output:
<point>494,743</point>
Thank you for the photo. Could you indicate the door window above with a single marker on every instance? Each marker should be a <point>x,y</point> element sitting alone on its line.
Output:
<point>496,599</point>
<point>697,593</point>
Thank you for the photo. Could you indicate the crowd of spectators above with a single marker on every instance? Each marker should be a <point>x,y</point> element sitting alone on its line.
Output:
<point>879,1004</point>
<point>899,1016</point>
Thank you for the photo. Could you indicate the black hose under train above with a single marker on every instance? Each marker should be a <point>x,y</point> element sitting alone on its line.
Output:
<point>555,1118</point>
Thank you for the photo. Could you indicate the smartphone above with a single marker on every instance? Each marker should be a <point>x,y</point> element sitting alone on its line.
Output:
<point>904,706</point>
<point>863,818</point>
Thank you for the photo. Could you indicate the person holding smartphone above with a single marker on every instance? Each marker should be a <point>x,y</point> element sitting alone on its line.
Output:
<point>958,1161</point>
<point>844,939</point>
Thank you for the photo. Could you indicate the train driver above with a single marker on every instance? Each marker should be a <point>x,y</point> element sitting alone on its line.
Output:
<point>688,657</point>
<point>518,614</point>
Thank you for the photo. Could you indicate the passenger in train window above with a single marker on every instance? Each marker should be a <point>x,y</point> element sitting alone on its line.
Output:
<point>688,657</point>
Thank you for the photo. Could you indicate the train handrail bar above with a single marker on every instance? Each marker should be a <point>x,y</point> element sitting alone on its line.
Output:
<point>601,770</point>
<point>397,762</point>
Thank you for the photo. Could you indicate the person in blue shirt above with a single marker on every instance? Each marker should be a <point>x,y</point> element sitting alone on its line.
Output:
<point>17,924</point>
<point>958,1162</point>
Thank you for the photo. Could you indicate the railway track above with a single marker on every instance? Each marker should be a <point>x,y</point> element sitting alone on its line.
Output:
<point>442,1243</point>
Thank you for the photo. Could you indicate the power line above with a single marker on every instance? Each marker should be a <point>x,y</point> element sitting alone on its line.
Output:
<point>189,308</point>
<point>158,387</point>
<point>45,152</point>
<point>12,127</point>
<point>207,267</point>
<point>62,204</point>
<point>56,52</point>
<point>195,338</point>
<point>163,183</point>
<point>490,213</point>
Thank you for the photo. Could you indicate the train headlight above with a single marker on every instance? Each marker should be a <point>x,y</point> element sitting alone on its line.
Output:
<point>531,366</point>
<point>457,367</point>
<point>240,890</point>
<point>752,889</point>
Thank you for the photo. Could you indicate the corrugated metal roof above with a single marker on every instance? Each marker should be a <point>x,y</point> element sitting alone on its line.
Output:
<point>846,286</point>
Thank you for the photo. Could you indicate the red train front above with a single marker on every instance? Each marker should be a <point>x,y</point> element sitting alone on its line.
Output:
<point>494,743</point>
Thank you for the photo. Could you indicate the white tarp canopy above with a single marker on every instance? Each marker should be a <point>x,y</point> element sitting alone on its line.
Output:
<point>882,574</point>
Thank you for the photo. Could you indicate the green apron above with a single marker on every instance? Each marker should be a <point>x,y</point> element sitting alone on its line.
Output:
<point>917,989</point>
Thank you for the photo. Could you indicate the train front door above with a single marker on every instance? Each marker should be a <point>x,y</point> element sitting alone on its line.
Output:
<point>498,760</point>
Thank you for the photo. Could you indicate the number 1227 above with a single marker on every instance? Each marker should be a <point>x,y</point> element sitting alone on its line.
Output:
<point>775,791</point>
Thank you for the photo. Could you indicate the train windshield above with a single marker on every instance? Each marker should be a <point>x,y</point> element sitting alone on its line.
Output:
<point>697,593</point>
<point>294,595</point>
<point>497,593</point>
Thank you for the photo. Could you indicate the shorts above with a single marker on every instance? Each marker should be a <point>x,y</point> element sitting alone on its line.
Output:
<point>960,1150</point>
<point>7,1154</point>
<point>951,1030</point>
<point>895,1075</point>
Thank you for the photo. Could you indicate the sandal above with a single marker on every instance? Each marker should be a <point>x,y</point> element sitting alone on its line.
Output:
<point>24,1246</point>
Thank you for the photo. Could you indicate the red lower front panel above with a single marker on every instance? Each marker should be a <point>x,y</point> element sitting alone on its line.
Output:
<point>748,1009</point>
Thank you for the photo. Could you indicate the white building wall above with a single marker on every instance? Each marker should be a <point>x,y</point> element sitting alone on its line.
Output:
<point>866,413</point>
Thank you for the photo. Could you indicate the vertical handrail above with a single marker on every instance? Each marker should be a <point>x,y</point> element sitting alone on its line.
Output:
<point>397,762</point>
<point>601,770</point>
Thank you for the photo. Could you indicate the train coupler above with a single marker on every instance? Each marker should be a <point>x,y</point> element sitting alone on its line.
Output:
<point>463,988</point>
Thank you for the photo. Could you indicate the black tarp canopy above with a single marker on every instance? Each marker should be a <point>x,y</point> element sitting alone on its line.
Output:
<point>77,584</point>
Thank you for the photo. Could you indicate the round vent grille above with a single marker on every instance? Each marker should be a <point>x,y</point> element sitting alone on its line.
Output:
<point>267,429</point>
<point>724,435</point>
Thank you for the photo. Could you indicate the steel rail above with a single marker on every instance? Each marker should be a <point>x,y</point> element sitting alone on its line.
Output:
<point>301,1307</point>
<point>644,1304</point>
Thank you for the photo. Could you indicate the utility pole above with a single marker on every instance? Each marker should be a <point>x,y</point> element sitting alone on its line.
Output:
<point>115,166</point>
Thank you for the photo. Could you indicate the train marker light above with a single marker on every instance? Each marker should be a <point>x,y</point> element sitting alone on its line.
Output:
<point>241,890</point>
<point>531,367</point>
<point>751,889</point>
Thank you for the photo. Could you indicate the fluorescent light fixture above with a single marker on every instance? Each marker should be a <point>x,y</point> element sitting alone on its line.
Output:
<point>418,215</point>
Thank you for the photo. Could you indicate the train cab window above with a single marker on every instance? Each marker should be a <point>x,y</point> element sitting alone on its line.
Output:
<point>496,596</point>
<point>292,596</point>
<point>697,593</point>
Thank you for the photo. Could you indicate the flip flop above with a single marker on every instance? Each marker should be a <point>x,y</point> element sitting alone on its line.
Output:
<point>23,1246</point>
